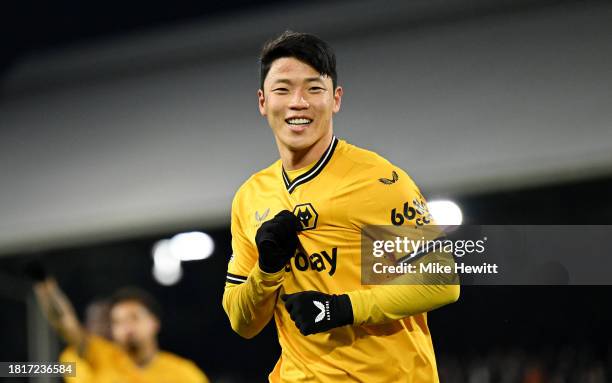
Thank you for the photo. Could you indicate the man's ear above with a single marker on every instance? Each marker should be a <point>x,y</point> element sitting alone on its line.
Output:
<point>157,325</point>
<point>261,98</point>
<point>338,98</point>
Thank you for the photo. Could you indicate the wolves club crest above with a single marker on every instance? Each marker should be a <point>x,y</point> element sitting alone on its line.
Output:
<point>307,215</point>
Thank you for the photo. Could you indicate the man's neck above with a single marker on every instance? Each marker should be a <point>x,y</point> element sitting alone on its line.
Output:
<point>144,355</point>
<point>298,159</point>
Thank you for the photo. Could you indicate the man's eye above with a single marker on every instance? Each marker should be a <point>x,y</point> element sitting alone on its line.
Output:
<point>316,89</point>
<point>280,90</point>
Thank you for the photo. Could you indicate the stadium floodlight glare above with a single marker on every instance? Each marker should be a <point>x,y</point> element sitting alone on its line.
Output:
<point>163,258</point>
<point>191,246</point>
<point>167,277</point>
<point>445,212</point>
<point>169,253</point>
<point>166,267</point>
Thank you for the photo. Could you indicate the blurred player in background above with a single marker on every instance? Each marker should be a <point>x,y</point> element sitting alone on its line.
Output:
<point>97,318</point>
<point>296,238</point>
<point>133,355</point>
<point>97,322</point>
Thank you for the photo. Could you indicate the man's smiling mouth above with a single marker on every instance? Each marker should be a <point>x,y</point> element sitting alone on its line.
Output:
<point>298,121</point>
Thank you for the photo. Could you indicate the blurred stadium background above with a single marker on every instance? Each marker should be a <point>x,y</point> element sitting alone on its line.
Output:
<point>122,125</point>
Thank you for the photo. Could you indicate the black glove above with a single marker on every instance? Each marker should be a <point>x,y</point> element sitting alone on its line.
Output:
<point>315,312</point>
<point>277,241</point>
<point>36,271</point>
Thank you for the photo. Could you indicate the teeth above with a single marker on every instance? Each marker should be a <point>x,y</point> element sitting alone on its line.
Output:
<point>299,121</point>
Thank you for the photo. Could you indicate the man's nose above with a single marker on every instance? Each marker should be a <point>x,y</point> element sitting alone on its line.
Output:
<point>299,102</point>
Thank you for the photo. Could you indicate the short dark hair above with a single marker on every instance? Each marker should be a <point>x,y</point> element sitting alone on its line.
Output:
<point>138,295</point>
<point>305,47</point>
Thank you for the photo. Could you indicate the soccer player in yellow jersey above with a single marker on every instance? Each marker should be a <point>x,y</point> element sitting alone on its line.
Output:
<point>133,356</point>
<point>296,238</point>
<point>97,322</point>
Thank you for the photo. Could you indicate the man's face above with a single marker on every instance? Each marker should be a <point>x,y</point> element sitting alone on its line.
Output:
<point>298,102</point>
<point>133,325</point>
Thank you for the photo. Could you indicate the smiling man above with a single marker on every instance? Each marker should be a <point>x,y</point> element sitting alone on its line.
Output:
<point>296,232</point>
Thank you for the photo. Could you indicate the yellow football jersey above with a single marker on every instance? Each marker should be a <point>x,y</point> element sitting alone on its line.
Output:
<point>84,373</point>
<point>347,188</point>
<point>105,362</point>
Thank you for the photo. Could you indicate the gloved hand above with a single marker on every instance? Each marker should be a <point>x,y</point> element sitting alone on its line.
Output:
<point>315,312</point>
<point>277,241</point>
<point>36,271</point>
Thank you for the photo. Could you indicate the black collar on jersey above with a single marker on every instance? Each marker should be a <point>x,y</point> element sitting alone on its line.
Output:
<point>314,171</point>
